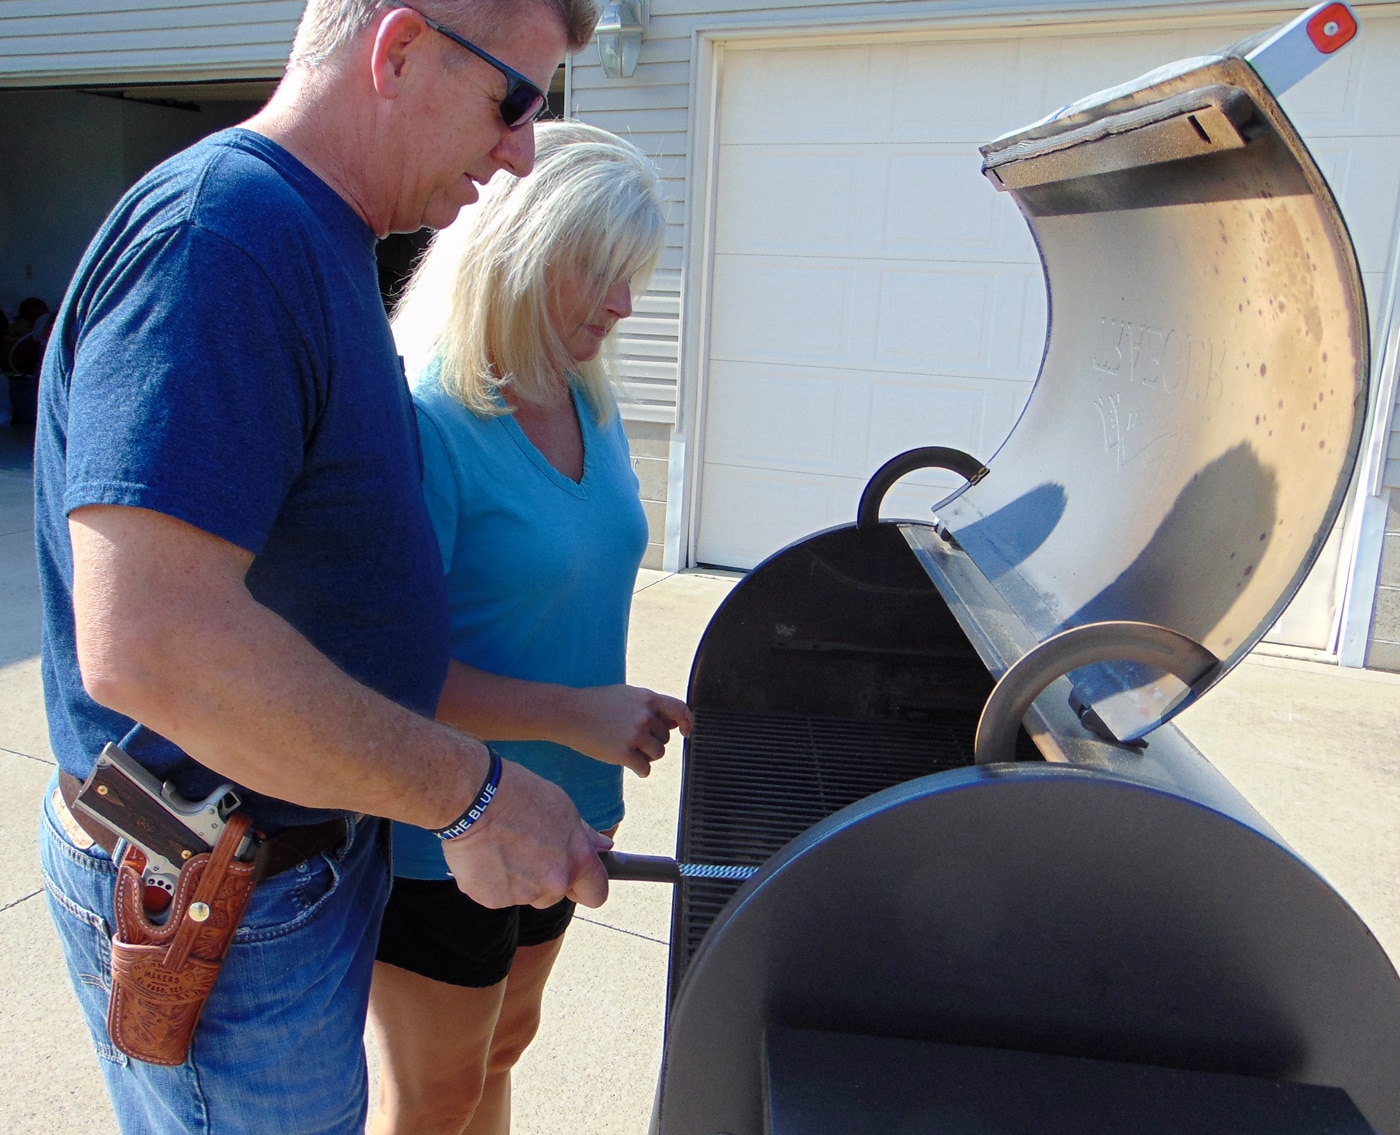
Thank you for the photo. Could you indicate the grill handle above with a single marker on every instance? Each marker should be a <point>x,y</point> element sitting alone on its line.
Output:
<point>925,457</point>
<point>1112,641</point>
<point>642,868</point>
<point>662,869</point>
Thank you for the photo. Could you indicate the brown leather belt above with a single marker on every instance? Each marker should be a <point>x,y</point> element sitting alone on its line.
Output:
<point>274,854</point>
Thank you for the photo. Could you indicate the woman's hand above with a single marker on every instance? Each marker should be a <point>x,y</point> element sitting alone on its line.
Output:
<point>623,725</point>
<point>618,725</point>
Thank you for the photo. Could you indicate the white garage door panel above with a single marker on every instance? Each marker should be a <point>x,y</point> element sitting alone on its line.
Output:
<point>817,94</point>
<point>937,207</point>
<point>942,318</point>
<point>974,98</point>
<point>870,292</point>
<point>1364,174</point>
<point>965,319</point>
<point>790,311</point>
<point>811,404</point>
<point>899,202</point>
<point>821,210</point>
<point>870,94</point>
<point>1070,67</point>
<point>847,424</point>
<point>904,415</point>
<point>781,507</point>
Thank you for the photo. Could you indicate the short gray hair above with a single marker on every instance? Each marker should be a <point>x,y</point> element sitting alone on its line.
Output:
<point>327,26</point>
<point>479,301</point>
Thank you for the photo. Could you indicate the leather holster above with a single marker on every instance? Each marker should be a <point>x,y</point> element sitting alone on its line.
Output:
<point>162,974</point>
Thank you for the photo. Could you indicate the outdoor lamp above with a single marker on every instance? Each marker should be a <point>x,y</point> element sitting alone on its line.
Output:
<point>620,38</point>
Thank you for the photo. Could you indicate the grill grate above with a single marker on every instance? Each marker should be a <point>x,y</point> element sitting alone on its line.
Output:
<point>754,782</point>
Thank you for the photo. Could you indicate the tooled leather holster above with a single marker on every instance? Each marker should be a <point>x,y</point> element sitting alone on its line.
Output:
<point>162,974</point>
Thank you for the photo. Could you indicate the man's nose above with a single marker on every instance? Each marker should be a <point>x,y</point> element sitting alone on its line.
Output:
<point>515,152</point>
<point>618,302</point>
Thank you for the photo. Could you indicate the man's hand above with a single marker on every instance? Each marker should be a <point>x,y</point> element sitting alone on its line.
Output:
<point>530,847</point>
<point>624,725</point>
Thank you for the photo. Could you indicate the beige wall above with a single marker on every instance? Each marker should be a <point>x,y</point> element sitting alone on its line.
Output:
<point>651,451</point>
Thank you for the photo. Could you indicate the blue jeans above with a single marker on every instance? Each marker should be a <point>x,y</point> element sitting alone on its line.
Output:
<point>280,1045</point>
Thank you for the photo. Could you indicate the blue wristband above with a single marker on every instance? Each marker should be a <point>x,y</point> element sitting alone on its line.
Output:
<point>460,825</point>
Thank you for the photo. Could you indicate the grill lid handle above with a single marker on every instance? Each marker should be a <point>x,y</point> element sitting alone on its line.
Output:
<point>925,457</point>
<point>1114,641</point>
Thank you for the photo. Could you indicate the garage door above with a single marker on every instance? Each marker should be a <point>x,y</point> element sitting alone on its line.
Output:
<point>871,292</point>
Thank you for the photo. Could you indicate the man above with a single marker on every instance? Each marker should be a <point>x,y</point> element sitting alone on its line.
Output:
<point>238,572</point>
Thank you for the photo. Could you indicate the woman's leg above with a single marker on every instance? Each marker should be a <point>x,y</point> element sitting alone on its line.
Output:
<point>446,1051</point>
<point>516,1025</point>
<point>434,1043</point>
<point>519,1017</point>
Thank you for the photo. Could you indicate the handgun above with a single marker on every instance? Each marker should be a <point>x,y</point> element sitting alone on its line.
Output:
<point>169,829</point>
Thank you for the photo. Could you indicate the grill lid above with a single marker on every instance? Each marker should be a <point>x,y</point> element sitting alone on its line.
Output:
<point>1186,448</point>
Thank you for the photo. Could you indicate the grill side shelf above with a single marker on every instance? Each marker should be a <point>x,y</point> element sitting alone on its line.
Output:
<point>1002,639</point>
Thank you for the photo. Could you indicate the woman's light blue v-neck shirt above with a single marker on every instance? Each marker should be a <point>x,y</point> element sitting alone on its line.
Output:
<point>539,571</point>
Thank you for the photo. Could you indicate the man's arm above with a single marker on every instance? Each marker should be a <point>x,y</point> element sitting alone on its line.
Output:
<point>619,725</point>
<point>169,635</point>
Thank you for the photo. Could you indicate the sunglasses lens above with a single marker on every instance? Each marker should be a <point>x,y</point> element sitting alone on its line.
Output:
<point>521,105</point>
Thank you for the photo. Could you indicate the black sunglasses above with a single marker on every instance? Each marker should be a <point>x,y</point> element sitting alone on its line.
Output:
<point>524,102</point>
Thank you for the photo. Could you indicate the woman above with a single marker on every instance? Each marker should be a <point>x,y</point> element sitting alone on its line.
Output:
<point>530,486</point>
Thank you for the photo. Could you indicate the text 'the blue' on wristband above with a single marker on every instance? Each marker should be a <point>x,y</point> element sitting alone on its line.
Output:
<point>460,825</point>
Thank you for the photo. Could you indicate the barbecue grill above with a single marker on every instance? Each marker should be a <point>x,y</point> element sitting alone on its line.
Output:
<point>998,891</point>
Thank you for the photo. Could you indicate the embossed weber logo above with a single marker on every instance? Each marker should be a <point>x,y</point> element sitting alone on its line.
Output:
<point>1166,359</point>
<point>1170,362</point>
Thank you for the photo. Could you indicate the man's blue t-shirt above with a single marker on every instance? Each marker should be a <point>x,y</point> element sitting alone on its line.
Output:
<point>540,571</point>
<point>222,357</point>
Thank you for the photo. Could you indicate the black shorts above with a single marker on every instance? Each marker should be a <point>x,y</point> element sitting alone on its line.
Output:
<point>433,929</point>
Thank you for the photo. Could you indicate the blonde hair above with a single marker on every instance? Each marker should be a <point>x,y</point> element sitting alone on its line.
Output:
<point>326,26</point>
<point>479,301</point>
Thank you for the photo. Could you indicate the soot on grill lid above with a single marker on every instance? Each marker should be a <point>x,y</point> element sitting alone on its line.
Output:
<point>1187,446</point>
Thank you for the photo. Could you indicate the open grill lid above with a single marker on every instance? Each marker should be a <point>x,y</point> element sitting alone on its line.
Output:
<point>1186,448</point>
<point>1122,905</point>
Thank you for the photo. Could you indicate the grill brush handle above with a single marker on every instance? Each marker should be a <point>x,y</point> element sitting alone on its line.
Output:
<point>662,869</point>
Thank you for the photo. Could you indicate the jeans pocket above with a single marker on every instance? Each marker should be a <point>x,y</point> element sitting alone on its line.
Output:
<point>85,935</point>
<point>288,901</point>
<point>87,948</point>
<point>78,886</point>
<point>78,881</point>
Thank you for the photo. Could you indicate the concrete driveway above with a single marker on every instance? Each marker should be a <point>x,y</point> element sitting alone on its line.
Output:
<point>1316,749</point>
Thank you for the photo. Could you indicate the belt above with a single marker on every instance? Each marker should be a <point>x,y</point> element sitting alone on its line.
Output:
<point>274,854</point>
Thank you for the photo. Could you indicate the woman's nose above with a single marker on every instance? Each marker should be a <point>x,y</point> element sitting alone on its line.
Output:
<point>619,299</point>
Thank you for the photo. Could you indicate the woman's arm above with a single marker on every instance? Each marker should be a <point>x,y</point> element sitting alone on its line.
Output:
<point>619,725</point>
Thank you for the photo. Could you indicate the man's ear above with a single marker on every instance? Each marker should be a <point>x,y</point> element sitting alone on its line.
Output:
<point>398,43</point>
